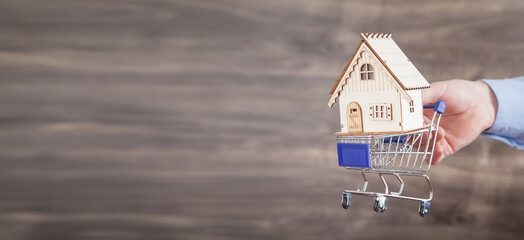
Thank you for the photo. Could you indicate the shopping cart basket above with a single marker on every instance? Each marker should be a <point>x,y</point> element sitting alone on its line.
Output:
<point>405,154</point>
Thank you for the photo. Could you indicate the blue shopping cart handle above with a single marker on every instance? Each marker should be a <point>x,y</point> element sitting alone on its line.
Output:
<point>439,106</point>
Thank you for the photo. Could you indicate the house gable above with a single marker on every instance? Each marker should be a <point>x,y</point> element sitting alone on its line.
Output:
<point>390,57</point>
<point>349,78</point>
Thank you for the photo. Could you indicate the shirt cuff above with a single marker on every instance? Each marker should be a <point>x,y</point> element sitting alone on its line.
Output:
<point>509,121</point>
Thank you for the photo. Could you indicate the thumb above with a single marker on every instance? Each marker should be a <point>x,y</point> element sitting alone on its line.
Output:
<point>434,93</point>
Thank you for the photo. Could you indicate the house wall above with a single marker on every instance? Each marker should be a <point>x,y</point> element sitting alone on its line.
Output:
<point>367,92</point>
<point>365,101</point>
<point>413,120</point>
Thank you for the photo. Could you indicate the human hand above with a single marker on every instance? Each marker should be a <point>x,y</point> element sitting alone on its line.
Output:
<point>471,108</point>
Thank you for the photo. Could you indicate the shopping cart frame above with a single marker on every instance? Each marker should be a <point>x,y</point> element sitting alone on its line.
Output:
<point>391,154</point>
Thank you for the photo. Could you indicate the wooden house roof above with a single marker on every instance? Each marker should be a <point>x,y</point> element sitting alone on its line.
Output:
<point>393,59</point>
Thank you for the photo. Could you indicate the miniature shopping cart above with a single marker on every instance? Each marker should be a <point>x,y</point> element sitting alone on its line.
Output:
<point>406,154</point>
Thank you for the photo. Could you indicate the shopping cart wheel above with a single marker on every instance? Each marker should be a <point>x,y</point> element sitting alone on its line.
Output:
<point>424,208</point>
<point>346,200</point>
<point>381,204</point>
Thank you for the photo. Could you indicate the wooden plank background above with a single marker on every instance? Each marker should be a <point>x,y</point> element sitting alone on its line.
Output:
<point>209,120</point>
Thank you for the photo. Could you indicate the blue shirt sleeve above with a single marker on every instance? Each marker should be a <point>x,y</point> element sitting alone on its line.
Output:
<point>509,122</point>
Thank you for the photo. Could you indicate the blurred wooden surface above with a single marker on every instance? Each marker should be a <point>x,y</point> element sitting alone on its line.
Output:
<point>209,119</point>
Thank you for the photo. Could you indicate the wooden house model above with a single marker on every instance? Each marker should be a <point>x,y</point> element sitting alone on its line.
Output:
<point>379,90</point>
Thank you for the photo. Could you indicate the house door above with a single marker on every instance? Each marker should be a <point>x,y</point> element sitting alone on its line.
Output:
<point>354,115</point>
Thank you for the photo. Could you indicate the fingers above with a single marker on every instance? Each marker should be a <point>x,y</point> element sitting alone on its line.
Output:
<point>434,93</point>
<point>442,150</point>
<point>439,152</point>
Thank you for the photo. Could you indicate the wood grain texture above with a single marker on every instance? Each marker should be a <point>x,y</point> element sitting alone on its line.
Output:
<point>208,119</point>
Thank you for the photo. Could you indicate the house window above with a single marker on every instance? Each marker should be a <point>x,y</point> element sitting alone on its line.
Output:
<point>411,107</point>
<point>380,111</point>
<point>366,72</point>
